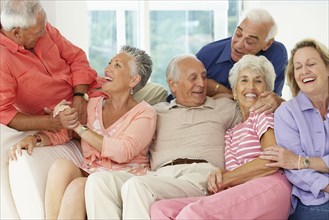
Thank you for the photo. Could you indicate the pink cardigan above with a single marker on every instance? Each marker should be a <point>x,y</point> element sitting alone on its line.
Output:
<point>125,144</point>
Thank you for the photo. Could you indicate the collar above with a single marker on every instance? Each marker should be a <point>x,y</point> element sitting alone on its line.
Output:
<point>10,44</point>
<point>305,103</point>
<point>209,103</point>
<point>226,54</point>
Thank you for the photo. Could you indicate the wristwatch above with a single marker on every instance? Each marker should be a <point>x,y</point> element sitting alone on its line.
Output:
<point>83,95</point>
<point>306,163</point>
<point>82,129</point>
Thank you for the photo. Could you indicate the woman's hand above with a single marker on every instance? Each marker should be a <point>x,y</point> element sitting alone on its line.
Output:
<point>69,118</point>
<point>27,143</point>
<point>215,180</point>
<point>281,157</point>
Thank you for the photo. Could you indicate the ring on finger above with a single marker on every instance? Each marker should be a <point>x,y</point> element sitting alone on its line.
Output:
<point>270,105</point>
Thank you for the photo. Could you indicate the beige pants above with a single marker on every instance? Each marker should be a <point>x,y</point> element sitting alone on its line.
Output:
<point>119,195</point>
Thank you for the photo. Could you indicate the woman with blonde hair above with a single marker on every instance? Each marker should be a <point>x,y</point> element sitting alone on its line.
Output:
<point>302,129</point>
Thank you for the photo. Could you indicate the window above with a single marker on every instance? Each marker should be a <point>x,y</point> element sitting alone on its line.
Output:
<point>162,28</point>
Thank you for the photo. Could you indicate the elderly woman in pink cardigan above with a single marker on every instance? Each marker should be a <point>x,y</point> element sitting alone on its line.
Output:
<point>116,137</point>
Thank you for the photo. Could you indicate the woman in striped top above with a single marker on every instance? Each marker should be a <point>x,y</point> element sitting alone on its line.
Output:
<point>246,188</point>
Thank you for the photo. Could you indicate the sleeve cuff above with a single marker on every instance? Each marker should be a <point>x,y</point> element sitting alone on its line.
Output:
<point>319,184</point>
<point>326,160</point>
<point>6,117</point>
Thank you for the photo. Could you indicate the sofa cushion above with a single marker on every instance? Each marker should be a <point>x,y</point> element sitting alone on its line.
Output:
<point>28,177</point>
<point>8,137</point>
<point>152,93</point>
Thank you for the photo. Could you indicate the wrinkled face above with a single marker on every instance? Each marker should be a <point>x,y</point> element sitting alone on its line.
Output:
<point>310,71</point>
<point>118,74</point>
<point>190,90</point>
<point>249,38</point>
<point>31,35</point>
<point>248,88</point>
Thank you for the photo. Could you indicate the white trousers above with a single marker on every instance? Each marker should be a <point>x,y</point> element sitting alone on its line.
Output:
<point>119,195</point>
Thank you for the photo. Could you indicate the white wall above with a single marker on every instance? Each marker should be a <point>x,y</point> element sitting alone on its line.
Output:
<point>296,20</point>
<point>71,18</point>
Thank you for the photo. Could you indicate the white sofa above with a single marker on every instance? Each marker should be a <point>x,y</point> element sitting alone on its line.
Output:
<point>23,181</point>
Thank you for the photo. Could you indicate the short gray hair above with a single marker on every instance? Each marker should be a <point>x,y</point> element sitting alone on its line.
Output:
<point>172,72</point>
<point>253,63</point>
<point>140,64</point>
<point>262,16</point>
<point>19,13</point>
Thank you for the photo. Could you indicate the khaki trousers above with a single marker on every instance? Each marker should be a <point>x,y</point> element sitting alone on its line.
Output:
<point>120,195</point>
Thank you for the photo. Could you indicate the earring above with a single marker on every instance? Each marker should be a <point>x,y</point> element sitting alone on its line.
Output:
<point>132,92</point>
<point>234,98</point>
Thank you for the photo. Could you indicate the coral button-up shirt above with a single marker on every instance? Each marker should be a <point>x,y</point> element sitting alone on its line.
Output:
<point>29,82</point>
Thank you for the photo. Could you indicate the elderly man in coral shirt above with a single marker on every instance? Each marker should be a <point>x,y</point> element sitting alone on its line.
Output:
<point>38,69</point>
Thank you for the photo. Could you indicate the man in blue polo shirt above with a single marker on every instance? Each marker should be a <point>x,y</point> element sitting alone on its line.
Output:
<point>254,35</point>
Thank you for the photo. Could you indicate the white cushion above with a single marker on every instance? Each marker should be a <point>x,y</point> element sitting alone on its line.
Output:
<point>28,177</point>
<point>8,138</point>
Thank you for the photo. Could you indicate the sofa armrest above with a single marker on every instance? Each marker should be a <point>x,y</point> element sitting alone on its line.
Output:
<point>8,137</point>
<point>28,177</point>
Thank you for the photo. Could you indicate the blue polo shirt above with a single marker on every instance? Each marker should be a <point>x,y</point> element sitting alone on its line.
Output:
<point>216,57</point>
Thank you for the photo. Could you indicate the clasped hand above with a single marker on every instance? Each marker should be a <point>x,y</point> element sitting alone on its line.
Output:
<point>215,181</point>
<point>68,116</point>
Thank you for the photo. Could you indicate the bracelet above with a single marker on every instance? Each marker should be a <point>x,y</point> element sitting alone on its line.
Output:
<point>38,139</point>
<point>216,88</point>
<point>298,162</point>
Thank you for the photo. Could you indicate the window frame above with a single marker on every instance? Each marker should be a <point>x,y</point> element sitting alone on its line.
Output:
<point>144,7</point>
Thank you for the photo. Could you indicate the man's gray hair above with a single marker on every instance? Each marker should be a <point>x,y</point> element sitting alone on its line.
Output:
<point>140,64</point>
<point>19,13</point>
<point>259,15</point>
<point>257,64</point>
<point>172,72</point>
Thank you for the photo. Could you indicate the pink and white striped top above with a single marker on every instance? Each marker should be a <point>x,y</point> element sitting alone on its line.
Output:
<point>242,142</point>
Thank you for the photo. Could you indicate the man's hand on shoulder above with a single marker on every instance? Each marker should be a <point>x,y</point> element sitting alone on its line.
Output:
<point>214,88</point>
